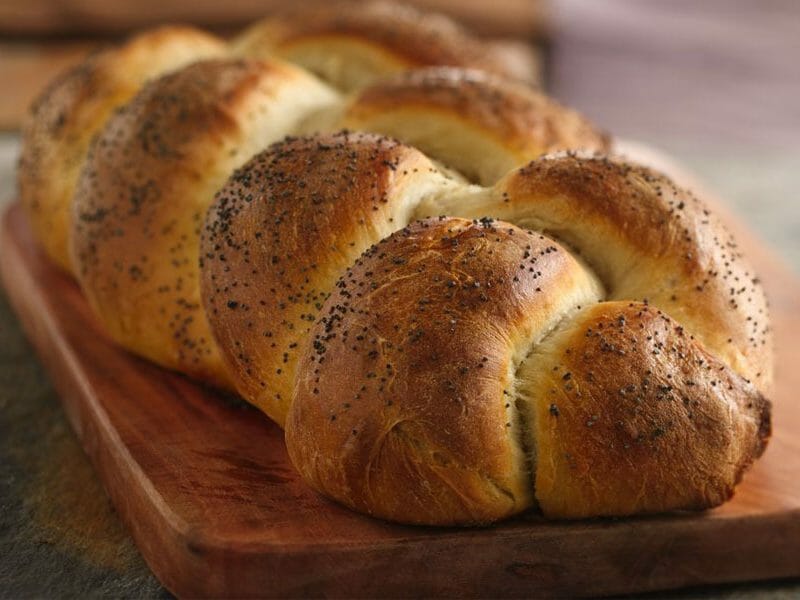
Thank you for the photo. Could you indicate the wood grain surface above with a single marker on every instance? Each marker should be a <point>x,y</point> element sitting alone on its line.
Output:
<point>205,487</point>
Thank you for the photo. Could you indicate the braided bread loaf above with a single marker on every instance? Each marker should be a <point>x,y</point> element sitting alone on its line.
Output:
<point>600,352</point>
<point>65,118</point>
<point>155,166</point>
<point>456,370</point>
<point>343,46</point>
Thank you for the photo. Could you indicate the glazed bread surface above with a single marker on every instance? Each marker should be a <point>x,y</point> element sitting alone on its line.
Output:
<point>648,240</point>
<point>75,107</point>
<point>410,382</point>
<point>464,371</point>
<point>363,225</point>
<point>272,250</point>
<point>63,120</point>
<point>414,386</point>
<point>480,124</point>
<point>147,182</point>
<point>159,160</point>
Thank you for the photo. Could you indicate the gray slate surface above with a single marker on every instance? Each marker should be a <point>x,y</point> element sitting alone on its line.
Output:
<point>59,535</point>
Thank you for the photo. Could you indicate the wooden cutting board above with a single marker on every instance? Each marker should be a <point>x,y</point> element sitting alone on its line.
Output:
<point>205,486</point>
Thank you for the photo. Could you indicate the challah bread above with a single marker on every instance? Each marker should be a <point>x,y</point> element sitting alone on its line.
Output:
<point>352,45</point>
<point>410,380</point>
<point>462,371</point>
<point>159,160</point>
<point>271,252</point>
<point>73,109</point>
<point>281,232</point>
<point>145,187</point>
<point>601,352</point>
<point>648,240</point>
<point>480,124</point>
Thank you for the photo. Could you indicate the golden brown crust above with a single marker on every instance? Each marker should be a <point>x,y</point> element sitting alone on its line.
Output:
<point>403,406</point>
<point>74,107</point>
<point>384,37</point>
<point>410,403</point>
<point>685,261</point>
<point>634,416</point>
<point>381,437</point>
<point>280,233</point>
<point>145,188</point>
<point>460,371</point>
<point>435,109</point>
<point>530,121</point>
<point>647,239</point>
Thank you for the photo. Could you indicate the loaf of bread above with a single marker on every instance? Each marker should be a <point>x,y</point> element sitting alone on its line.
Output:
<point>144,189</point>
<point>601,356</point>
<point>434,276</point>
<point>346,48</point>
<point>74,108</point>
<point>154,168</point>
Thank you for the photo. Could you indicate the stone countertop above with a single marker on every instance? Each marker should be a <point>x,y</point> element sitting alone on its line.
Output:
<point>716,88</point>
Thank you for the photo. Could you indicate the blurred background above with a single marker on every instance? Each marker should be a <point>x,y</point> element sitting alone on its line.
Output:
<point>715,84</point>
